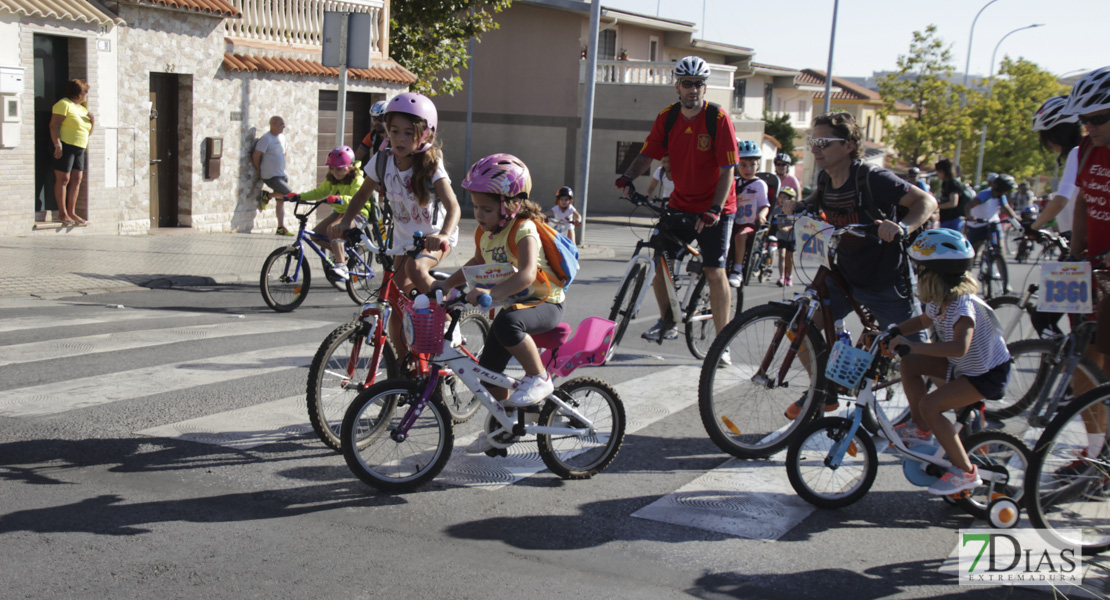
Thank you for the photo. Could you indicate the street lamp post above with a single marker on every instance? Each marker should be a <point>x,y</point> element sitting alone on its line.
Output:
<point>967,67</point>
<point>990,88</point>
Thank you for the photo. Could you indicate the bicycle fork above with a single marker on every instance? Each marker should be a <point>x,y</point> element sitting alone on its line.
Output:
<point>402,431</point>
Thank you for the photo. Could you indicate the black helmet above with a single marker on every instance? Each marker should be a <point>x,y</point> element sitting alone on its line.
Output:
<point>565,191</point>
<point>913,171</point>
<point>1004,183</point>
<point>784,158</point>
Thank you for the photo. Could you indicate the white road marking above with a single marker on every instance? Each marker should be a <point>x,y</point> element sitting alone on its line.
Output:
<point>108,315</point>
<point>243,428</point>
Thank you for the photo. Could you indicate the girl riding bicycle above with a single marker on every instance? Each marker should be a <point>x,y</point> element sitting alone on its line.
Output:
<point>970,357</point>
<point>343,180</point>
<point>499,186</point>
<point>564,215</point>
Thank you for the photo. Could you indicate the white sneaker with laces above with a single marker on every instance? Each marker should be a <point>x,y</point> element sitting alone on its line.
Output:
<point>735,278</point>
<point>532,390</point>
<point>341,272</point>
<point>480,445</point>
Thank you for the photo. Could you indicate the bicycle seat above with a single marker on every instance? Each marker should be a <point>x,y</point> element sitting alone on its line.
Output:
<point>588,346</point>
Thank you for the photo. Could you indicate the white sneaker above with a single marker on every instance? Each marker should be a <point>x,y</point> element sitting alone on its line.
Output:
<point>726,359</point>
<point>531,391</point>
<point>735,279</point>
<point>480,445</point>
<point>341,272</point>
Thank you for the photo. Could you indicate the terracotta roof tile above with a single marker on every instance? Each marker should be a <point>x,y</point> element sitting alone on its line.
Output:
<point>73,10</point>
<point>848,90</point>
<point>386,70</point>
<point>212,7</point>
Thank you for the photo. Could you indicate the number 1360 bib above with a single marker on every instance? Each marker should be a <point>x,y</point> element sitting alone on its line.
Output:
<point>1066,288</point>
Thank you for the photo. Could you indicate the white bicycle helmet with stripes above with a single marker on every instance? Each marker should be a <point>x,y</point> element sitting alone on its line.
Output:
<point>1051,114</point>
<point>1090,94</point>
<point>692,66</point>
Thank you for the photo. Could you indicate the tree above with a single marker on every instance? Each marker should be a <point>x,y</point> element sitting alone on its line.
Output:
<point>780,129</point>
<point>1011,145</point>
<point>922,82</point>
<point>430,37</point>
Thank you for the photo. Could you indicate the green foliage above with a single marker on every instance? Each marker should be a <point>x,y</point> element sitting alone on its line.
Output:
<point>936,122</point>
<point>430,37</point>
<point>1011,145</point>
<point>780,129</point>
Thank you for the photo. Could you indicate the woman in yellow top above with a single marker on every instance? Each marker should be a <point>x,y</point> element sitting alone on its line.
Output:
<point>70,126</point>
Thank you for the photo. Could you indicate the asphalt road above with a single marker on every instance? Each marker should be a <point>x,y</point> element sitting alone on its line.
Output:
<point>110,489</point>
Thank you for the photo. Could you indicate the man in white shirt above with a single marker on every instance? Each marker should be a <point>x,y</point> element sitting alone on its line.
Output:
<point>269,158</point>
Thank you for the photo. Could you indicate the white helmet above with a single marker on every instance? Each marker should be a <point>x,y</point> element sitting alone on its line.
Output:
<point>1090,94</point>
<point>1051,114</point>
<point>691,66</point>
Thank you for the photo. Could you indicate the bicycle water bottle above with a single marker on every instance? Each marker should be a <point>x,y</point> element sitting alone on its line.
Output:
<point>842,332</point>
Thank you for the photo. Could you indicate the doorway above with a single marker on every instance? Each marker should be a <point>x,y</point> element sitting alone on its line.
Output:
<point>51,74</point>
<point>163,150</point>
<point>356,123</point>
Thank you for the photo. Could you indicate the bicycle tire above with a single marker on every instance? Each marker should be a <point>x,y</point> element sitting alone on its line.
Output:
<point>1056,502</point>
<point>330,389</point>
<point>1029,374</point>
<point>700,330</point>
<point>624,304</point>
<point>842,486</point>
<point>751,252</point>
<point>361,289</point>
<point>278,291</point>
<point>994,450</point>
<point>745,418</point>
<point>379,460</point>
<point>1016,322</point>
<point>582,457</point>
<point>462,403</point>
<point>995,276</point>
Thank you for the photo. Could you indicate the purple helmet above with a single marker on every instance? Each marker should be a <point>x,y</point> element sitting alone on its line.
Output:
<point>500,175</point>
<point>417,105</point>
<point>341,156</point>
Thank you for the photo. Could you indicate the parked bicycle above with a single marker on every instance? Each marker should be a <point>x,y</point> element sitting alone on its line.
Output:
<point>778,357</point>
<point>286,276</point>
<point>682,270</point>
<point>397,434</point>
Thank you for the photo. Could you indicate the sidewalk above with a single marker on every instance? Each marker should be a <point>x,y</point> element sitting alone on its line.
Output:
<point>48,265</point>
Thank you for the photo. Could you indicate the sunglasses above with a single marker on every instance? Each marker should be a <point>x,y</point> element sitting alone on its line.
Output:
<point>1096,121</point>
<point>689,83</point>
<point>822,143</point>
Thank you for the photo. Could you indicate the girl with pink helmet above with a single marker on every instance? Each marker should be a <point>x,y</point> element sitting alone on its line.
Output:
<point>499,186</point>
<point>343,180</point>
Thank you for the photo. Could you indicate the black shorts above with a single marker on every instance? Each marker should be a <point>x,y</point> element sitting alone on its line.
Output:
<point>992,384</point>
<point>73,159</point>
<point>712,241</point>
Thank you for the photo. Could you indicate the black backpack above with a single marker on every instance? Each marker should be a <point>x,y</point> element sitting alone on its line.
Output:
<point>865,203</point>
<point>711,112</point>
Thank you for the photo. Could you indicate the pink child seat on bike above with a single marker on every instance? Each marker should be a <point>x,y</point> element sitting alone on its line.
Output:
<point>588,346</point>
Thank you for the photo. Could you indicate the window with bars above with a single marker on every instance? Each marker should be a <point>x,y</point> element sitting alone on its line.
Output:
<point>607,45</point>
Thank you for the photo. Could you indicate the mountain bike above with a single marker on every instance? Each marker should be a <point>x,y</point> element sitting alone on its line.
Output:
<point>682,271</point>
<point>397,435</point>
<point>994,275</point>
<point>833,461</point>
<point>358,353</point>
<point>286,276</point>
<point>778,357</point>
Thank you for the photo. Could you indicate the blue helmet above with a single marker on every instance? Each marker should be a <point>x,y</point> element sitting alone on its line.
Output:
<point>943,251</point>
<point>747,149</point>
<point>1030,210</point>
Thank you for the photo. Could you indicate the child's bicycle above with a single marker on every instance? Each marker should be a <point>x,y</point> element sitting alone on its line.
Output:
<point>832,462</point>
<point>286,276</point>
<point>397,435</point>
<point>358,353</point>
<point>563,226</point>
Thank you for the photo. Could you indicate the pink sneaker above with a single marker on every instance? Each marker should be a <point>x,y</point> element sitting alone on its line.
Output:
<point>955,481</point>
<point>789,281</point>
<point>912,434</point>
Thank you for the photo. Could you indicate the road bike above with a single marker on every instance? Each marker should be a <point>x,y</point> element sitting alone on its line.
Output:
<point>994,275</point>
<point>777,356</point>
<point>682,271</point>
<point>397,435</point>
<point>358,353</point>
<point>286,276</point>
<point>833,461</point>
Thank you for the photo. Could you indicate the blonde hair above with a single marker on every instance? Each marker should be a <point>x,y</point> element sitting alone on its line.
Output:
<point>943,288</point>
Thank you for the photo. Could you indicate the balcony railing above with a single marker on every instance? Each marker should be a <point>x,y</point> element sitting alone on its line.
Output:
<point>634,72</point>
<point>299,22</point>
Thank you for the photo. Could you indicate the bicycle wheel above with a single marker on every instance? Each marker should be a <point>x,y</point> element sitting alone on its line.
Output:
<point>582,457</point>
<point>462,403</point>
<point>995,276</point>
<point>1006,458</point>
<point>284,283</point>
<point>338,373</point>
<point>1064,488</point>
<point>741,406</point>
<point>700,328</point>
<point>1017,323</point>
<point>820,484</point>
<point>624,305</point>
<point>380,459</point>
<point>751,254</point>
<point>360,286</point>
<point>1029,373</point>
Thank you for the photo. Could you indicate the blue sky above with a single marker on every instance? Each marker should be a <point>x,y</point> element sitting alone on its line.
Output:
<point>872,33</point>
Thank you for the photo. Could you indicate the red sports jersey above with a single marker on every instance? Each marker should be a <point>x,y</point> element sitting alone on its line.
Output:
<point>1094,180</point>
<point>696,159</point>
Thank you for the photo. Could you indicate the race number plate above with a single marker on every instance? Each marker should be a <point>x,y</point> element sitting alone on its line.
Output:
<point>1065,288</point>
<point>813,238</point>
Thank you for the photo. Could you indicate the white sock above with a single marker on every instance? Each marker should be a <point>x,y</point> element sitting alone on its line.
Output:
<point>738,269</point>
<point>1095,442</point>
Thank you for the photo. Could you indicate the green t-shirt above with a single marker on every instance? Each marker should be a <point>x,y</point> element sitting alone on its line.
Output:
<point>76,125</point>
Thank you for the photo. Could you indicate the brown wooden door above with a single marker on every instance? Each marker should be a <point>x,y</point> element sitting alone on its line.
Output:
<point>356,124</point>
<point>163,150</point>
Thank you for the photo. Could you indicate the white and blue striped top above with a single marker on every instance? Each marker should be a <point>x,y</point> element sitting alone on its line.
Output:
<point>988,347</point>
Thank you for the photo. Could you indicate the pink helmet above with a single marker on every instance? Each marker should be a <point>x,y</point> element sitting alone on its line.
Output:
<point>417,105</point>
<point>341,156</point>
<point>500,175</point>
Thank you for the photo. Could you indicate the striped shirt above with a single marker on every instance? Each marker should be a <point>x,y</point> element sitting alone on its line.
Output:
<point>988,348</point>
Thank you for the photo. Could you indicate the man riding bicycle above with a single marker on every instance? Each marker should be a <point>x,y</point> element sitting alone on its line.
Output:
<point>701,142</point>
<point>851,192</point>
<point>986,206</point>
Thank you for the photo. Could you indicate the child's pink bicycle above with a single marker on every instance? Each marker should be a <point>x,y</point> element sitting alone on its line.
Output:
<point>398,434</point>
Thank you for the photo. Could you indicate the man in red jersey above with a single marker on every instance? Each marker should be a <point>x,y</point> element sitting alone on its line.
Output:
<point>701,142</point>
